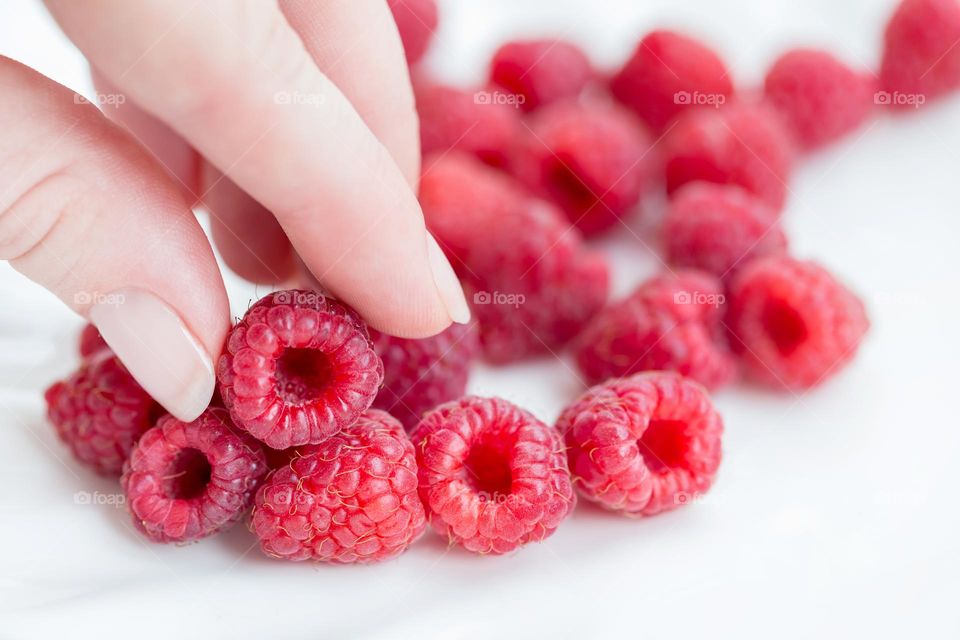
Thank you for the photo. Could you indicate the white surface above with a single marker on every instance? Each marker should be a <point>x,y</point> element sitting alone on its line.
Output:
<point>834,513</point>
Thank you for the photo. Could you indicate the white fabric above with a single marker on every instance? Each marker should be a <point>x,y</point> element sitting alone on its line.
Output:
<point>834,513</point>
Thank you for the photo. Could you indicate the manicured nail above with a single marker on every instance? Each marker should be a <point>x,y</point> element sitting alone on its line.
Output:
<point>447,283</point>
<point>158,350</point>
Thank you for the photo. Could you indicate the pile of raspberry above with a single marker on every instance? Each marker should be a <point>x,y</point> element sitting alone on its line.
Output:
<point>334,442</point>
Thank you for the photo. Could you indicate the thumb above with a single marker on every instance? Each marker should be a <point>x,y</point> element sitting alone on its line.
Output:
<point>90,215</point>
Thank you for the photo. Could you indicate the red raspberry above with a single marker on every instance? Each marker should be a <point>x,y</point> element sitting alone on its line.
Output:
<point>541,71</point>
<point>921,59</point>
<point>100,411</point>
<point>418,375</point>
<point>669,73</point>
<point>792,322</point>
<point>492,476</point>
<point>532,281</point>
<point>91,342</point>
<point>669,323</point>
<point>188,480</point>
<point>821,98</point>
<point>470,121</point>
<point>643,445</point>
<point>740,143</point>
<point>298,368</point>
<point>589,159</point>
<point>718,228</point>
<point>416,20</point>
<point>351,499</point>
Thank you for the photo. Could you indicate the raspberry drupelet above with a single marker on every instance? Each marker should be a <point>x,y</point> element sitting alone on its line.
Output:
<point>492,476</point>
<point>189,480</point>
<point>644,444</point>
<point>298,368</point>
<point>352,499</point>
<point>100,411</point>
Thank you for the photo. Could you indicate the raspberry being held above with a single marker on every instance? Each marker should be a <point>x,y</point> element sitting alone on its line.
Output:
<point>186,481</point>
<point>298,368</point>
<point>644,444</point>
<point>352,499</point>
<point>492,476</point>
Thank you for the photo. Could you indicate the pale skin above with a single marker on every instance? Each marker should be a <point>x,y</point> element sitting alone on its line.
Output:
<point>292,122</point>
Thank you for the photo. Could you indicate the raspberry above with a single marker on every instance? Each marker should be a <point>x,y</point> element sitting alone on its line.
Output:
<point>418,375</point>
<point>643,445</point>
<point>188,480</point>
<point>416,20</point>
<point>541,71</point>
<point>793,323</point>
<point>532,281</point>
<point>298,368</point>
<point>452,118</point>
<point>820,98</point>
<point>492,476</point>
<point>100,411</point>
<point>669,323</point>
<point>740,143</point>
<point>91,342</point>
<point>921,59</point>
<point>718,228</point>
<point>588,159</point>
<point>351,499</point>
<point>669,73</point>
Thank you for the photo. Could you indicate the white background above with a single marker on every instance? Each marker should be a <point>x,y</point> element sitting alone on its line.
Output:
<point>834,513</point>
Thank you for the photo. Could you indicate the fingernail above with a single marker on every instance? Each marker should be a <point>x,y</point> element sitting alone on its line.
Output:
<point>447,283</point>
<point>158,350</point>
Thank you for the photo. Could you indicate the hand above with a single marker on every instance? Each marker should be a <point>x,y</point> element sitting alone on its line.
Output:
<point>293,123</point>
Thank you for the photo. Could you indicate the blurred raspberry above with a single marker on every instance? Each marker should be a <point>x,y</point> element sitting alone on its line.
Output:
<point>589,159</point>
<point>718,228</point>
<point>418,375</point>
<point>793,323</point>
<point>921,59</point>
<point>532,282</point>
<point>188,480</point>
<point>416,20</point>
<point>820,98</point>
<point>100,411</point>
<point>352,499</point>
<point>471,121</point>
<point>541,71</point>
<point>741,143</point>
<point>91,342</point>
<point>669,73</point>
<point>643,445</point>
<point>492,476</point>
<point>298,368</point>
<point>670,323</point>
